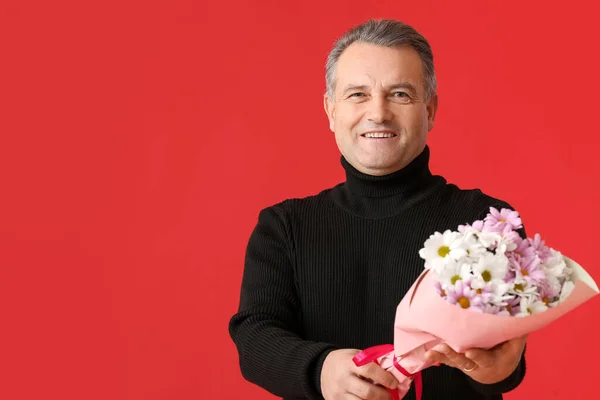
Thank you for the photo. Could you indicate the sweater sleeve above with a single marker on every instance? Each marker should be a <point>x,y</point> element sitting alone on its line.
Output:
<point>267,328</point>
<point>517,376</point>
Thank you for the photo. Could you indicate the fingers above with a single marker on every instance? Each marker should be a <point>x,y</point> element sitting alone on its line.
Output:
<point>449,357</point>
<point>512,346</point>
<point>519,343</point>
<point>377,375</point>
<point>485,366</point>
<point>511,349</point>
<point>458,360</point>
<point>483,358</point>
<point>365,390</point>
<point>436,357</point>
<point>350,396</point>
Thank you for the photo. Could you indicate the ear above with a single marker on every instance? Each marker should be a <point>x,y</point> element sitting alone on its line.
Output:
<point>329,106</point>
<point>432,106</point>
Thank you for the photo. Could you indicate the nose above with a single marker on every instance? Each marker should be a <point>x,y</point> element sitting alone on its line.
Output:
<point>379,110</point>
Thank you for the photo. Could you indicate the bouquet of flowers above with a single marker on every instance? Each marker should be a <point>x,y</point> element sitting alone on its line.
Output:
<point>482,285</point>
<point>487,267</point>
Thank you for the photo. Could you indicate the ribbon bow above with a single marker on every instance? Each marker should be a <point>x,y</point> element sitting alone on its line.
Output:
<point>372,354</point>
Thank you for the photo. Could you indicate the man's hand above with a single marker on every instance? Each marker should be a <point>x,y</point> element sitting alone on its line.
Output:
<point>341,379</point>
<point>484,366</point>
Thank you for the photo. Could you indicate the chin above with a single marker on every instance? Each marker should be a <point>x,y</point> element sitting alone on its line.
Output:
<point>381,167</point>
<point>379,162</point>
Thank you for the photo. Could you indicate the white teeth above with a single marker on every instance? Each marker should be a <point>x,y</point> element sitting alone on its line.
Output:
<point>379,135</point>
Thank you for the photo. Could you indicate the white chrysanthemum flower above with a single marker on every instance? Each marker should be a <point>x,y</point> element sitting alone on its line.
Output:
<point>507,243</point>
<point>475,252</point>
<point>556,265</point>
<point>468,230</point>
<point>489,239</point>
<point>531,305</point>
<point>452,272</point>
<point>491,267</point>
<point>496,310</point>
<point>551,287</point>
<point>494,292</point>
<point>524,288</point>
<point>471,244</point>
<point>438,249</point>
<point>459,249</point>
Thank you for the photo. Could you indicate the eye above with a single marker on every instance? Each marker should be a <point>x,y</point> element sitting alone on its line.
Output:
<point>399,94</point>
<point>357,94</point>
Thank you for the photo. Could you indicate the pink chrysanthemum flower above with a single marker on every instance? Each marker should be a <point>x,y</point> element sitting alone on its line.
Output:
<point>502,221</point>
<point>538,247</point>
<point>464,297</point>
<point>530,269</point>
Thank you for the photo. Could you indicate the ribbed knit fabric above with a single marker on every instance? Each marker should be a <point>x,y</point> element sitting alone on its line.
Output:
<point>327,272</point>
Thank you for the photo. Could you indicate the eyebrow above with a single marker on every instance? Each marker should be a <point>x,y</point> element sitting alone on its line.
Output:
<point>401,85</point>
<point>404,85</point>
<point>351,88</point>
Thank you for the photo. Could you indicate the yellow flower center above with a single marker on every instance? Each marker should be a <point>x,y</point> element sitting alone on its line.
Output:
<point>455,278</point>
<point>479,291</point>
<point>487,276</point>
<point>444,251</point>
<point>464,302</point>
<point>529,310</point>
<point>443,292</point>
<point>519,287</point>
<point>546,300</point>
<point>509,309</point>
<point>502,220</point>
<point>524,272</point>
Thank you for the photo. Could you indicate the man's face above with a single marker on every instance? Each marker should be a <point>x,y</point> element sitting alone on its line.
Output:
<point>380,92</point>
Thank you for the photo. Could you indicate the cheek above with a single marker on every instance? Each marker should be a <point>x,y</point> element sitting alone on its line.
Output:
<point>412,119</point>
<point>347,117</point>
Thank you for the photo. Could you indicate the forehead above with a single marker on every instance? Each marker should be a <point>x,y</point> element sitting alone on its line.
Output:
<point>369,64</point>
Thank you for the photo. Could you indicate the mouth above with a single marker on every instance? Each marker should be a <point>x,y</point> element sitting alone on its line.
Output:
<point>379,135</point>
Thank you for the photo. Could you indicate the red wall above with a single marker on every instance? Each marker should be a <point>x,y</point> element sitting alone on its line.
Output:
<point>139,141</point>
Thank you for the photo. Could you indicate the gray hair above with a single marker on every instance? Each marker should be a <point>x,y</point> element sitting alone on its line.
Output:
<point>387,33</point>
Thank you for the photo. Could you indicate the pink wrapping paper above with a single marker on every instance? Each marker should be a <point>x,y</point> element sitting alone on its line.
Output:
<point>424,319</point>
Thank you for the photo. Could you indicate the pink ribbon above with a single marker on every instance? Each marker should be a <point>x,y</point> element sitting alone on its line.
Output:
<point>371,354</point>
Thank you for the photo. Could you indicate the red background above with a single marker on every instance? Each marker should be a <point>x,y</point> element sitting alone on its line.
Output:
<point>139,142</point>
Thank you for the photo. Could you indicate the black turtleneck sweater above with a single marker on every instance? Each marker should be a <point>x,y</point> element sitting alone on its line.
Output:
<point>327,272</point>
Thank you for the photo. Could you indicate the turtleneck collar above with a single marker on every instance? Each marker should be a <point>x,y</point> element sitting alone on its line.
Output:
<point>378,197</point>
<point>414,176</point>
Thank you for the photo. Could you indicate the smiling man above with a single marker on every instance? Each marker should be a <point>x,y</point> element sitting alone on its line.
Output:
<point>324,274</point>
<point>379,108</point>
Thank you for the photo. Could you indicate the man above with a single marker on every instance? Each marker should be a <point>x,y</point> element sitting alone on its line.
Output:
<point>324,274</point>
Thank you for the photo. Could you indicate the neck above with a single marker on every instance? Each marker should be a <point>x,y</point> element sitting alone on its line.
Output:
<point>382,196</point>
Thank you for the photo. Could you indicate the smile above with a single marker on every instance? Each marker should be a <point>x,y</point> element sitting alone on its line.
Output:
<point>378,135</point>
